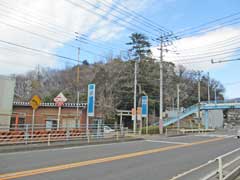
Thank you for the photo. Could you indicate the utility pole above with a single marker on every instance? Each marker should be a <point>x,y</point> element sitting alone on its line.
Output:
<point>38,73</point>
<point>78,93</point>
<point>178,107</point>
<point>135,98</point>
<point>209,96</point>
<point>173,104</point>
<point>215,94</point>
<point>199,89</point>
<point>161,87</point>
<point>199,98</point>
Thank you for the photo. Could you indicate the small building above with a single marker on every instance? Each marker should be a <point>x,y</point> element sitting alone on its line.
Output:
<point>6,99</point>
<point>46,116</point>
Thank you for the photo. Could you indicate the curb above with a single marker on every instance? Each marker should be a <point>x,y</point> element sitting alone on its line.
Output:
<point>32,147</point>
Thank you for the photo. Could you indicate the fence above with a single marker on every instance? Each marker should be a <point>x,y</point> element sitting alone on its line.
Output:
<point>40,134</point>
<point>222,168</point>
<point>183,131</point>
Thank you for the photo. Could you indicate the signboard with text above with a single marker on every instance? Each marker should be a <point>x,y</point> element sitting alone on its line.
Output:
<point>91,100</point>
<point>144,106</point>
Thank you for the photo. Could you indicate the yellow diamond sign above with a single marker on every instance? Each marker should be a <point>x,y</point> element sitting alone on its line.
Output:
<point>35,102</point>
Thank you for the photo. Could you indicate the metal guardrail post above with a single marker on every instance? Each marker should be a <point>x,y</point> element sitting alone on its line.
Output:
<point>121,127</point>
<point>117,136</point>
<point>26,134</point>
<point>67,134</point>
<point>88,136</point>
<point>49,139</point>
<point>220,168</point>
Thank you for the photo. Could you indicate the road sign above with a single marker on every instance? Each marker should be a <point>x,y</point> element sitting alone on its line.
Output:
<point>60,99</point>
<point>144,106</point>
<point>91,100</point>
<point>35,102</point>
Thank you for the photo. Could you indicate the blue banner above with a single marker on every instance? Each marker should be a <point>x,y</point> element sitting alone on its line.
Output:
<point>144,106</point>
<point>91,100</point>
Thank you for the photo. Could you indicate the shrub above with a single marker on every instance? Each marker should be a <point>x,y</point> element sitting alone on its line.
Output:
<point>151,130</point>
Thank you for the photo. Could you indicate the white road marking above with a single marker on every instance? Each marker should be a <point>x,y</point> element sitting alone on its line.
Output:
<point>167,142</point>
<point>69,148</point>
<point>215,135</point>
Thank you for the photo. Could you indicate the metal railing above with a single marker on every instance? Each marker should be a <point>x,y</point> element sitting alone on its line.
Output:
<point>41,134</point>
<point>221,168</point>
<point>179,131</point>
<point>181,115</point>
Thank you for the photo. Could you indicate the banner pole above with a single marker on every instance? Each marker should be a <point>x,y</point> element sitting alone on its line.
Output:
<point>33,122</point>
<point>59,115</point>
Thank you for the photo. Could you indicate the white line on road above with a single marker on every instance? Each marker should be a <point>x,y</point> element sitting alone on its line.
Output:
<point>167,142</point>
<point>69,148</point>
<point>215,135</point>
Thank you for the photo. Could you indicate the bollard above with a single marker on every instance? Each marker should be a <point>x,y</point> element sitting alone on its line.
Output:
<point>121,127</point>
<point>220,168</point>
<point>26,134</point>
<point>117,136</point>
<point>88,136</point>
<point>67,134</point>
<point>49,136</point>
<point>166,133</point>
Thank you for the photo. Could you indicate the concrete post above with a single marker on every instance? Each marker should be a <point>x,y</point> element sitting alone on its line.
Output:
<point>206,119</point>
<point>220,168</point>
<point>26,134</point>
<point>49,136</point>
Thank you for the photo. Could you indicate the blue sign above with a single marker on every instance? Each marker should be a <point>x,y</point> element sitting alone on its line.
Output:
<point>144,106</point>
<point>91,100</point>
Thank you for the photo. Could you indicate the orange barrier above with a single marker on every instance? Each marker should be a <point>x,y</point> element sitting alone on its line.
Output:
<point>38,135</point>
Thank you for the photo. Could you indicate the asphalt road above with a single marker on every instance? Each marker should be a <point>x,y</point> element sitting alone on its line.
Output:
<point>156,158</point>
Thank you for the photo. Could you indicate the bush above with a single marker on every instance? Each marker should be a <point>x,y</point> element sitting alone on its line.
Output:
<point>151,130</point>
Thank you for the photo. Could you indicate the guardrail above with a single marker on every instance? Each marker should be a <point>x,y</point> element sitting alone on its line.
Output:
<point>25,135</point>
<point>222,168</point>
<point>182,131</point>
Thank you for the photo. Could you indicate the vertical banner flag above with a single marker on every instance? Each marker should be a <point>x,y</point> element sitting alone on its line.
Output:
<point>133,114</point>
<point>139,113</point>
<point>91,100</point>
<point>144,106</point>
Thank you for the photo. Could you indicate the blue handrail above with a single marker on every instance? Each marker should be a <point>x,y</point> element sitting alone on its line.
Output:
<point>204,105</point>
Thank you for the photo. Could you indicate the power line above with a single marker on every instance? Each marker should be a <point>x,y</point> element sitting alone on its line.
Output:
<point>49,38</point>
<point>29,53</point>
<point>209,52</point>
<point>117,19</point>
<point>224,43</point>
<point>222,61</point>
<point>138,17</point>
<point>213,28</point>
<point>39,51</point>
<point>52,27</point>
<point>199,27</point>
<point>207,56</point>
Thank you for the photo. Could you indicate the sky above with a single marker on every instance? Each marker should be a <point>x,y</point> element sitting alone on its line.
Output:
<point>102,27</point>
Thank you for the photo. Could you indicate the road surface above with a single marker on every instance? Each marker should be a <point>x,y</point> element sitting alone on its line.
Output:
<point>156,158</point>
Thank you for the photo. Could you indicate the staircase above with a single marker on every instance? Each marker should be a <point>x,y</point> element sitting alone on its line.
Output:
<point>225,104</point>
<point>187,112</point>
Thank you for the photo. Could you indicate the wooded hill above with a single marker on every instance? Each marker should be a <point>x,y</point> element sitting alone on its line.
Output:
<point>115,83</point>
